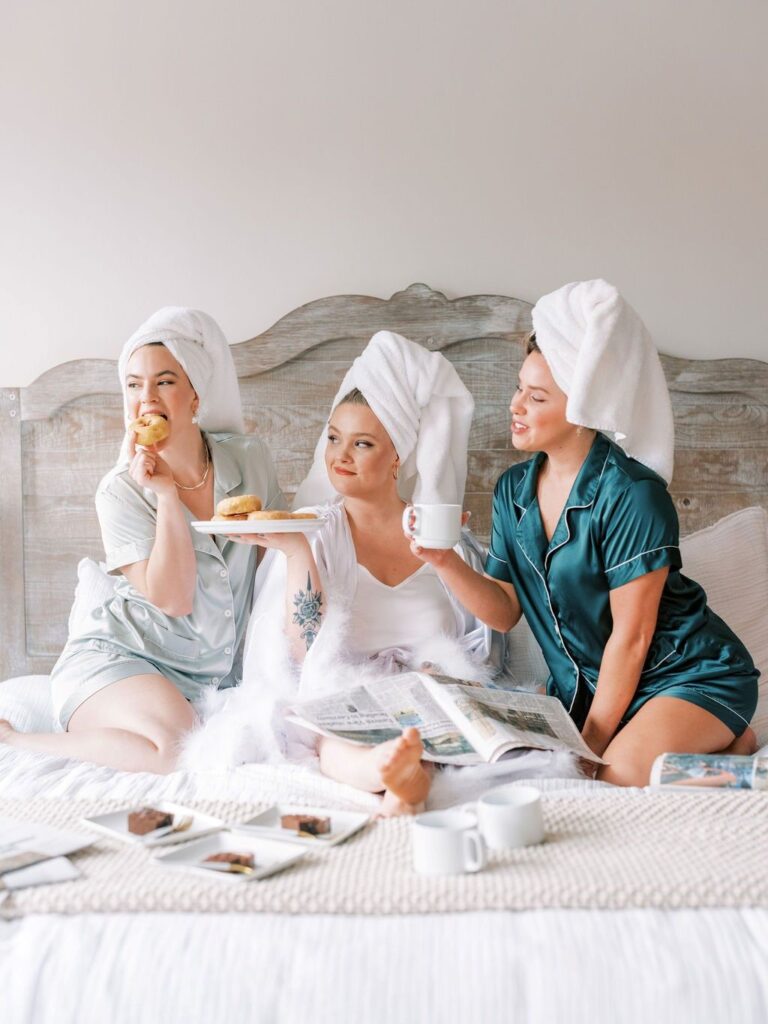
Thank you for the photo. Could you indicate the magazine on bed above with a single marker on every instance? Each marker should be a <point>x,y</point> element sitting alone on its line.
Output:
<point>34,854</point>
<point>460,722</point>
<point>714,771</point>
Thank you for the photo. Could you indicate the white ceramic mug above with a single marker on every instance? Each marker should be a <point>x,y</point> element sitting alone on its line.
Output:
<point>447,843</point>
<point>433,526</point>
<point>510,816</point>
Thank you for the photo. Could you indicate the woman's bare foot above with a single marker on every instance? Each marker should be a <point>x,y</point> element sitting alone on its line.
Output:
<point>746,744</point>
<point>405,778</point>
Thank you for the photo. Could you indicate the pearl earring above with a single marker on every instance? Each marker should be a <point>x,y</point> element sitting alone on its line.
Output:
<point>195,418</point>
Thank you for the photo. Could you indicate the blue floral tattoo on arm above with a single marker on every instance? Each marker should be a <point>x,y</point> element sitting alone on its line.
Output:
<point>307,615</point>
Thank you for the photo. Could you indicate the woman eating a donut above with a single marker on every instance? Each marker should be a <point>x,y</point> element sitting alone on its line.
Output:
<point>352,601</point>
<point>585,544</point>
<point>177,608</point>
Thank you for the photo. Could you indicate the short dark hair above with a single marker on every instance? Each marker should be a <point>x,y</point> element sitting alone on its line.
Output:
<point>531,345</point>
<point>353,397</point>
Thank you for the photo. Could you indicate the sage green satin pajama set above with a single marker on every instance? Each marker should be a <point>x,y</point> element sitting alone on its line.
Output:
<point>126,635</point>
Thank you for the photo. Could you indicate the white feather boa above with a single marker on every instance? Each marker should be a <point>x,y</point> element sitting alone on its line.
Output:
<point>247,723</point>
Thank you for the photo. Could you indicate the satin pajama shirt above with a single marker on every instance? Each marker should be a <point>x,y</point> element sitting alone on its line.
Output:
<point>619,523</point>
<point>126,635</point>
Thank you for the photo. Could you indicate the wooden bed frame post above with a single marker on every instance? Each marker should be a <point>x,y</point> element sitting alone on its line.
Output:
<point>13,651</point>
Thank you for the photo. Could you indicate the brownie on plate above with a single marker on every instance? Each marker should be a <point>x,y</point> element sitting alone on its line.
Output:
<point>308,823</point>
<point>147,820</point>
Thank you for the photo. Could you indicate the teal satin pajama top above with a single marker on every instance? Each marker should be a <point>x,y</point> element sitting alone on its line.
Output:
<point>619,523</point>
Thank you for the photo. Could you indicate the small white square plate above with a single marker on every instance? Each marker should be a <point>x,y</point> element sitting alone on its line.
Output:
<point>244,526</point>
<point>115,824</point>
<point>343,824</point>
<point>270,856</point>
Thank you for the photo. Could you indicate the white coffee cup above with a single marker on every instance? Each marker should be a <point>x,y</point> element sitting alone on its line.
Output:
<point>510,816</point>
<point>447,843</point>
<point>433,526</point>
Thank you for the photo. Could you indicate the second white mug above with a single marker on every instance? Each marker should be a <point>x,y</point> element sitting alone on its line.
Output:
<point>433,526</point>
<point>510,816</point>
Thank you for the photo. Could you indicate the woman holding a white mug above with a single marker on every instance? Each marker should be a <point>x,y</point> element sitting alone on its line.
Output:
<point>352,602</point>
<point>585,544</point>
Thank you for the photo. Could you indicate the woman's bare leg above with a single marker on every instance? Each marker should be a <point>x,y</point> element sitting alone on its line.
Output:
<point>394,767</point>
<point>135,725</point>
<point>666,725</point>
<point>744,745</point>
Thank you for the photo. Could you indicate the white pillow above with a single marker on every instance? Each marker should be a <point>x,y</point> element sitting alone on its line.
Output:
<point>525,662</point>
<point>730,561</point>
<point>25,702</point>
<point>94,588</point>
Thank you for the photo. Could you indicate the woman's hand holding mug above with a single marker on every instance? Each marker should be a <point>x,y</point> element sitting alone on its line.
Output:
<point>433,530</point>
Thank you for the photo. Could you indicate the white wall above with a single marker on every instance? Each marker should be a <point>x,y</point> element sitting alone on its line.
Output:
<point>246,157</point>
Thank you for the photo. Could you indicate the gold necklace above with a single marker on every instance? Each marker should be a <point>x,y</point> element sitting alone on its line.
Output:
<point>197,486</point>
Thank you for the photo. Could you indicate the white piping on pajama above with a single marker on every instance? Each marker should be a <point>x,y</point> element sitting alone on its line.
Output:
<point>650,551</point>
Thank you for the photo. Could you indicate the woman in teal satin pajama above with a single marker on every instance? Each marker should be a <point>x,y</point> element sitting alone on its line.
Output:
<point>585,545</point>
<point>618,525</point>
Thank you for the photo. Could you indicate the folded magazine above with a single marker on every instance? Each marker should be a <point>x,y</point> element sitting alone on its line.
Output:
<point>716,771</point>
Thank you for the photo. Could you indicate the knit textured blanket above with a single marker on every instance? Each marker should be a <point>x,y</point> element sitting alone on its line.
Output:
<point>614,850</point>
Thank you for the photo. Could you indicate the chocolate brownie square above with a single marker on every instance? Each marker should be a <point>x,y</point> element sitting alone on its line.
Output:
<point>140,823</point>
<point>307,823</point>
<point>245,860</point>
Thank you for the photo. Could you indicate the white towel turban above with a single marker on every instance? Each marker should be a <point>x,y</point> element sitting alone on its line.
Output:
<point>196,341</point>
<point>423,406</point>
<point>603,358</point>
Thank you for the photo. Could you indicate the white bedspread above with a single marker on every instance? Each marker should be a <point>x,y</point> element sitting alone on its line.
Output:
<point>578,967</point>
<point>535,967</point>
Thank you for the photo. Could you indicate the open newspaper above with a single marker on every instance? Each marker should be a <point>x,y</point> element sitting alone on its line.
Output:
<point>717,771</point>
<point>460,722</point>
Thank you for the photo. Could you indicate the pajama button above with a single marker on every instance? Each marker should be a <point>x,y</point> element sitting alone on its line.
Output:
<point>215,680</point>
<point>228,614</point>
<point>223,573</point>
<point>227,650</point>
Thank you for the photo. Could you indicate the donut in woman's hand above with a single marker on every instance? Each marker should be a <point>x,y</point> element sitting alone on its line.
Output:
<point>149,429</point>
<point>239,505</point>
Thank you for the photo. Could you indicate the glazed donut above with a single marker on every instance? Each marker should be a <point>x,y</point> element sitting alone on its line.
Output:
<point>303,515</point>
<point>149,428</point>
<point>239,505</point>
<point>228,519</point>
<point>272,513</point>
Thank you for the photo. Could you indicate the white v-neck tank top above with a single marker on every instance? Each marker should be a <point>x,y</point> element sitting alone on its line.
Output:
<point>410,613</point>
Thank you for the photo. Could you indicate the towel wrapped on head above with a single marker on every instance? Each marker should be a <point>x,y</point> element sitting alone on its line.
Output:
<point>196,341</point>
<point>423,406</point>
<point>603,358</point>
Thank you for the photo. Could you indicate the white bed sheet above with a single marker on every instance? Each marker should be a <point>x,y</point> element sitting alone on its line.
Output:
<point>542,966</point>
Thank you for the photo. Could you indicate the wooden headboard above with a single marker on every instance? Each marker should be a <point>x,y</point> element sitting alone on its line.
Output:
<point>61,434</point>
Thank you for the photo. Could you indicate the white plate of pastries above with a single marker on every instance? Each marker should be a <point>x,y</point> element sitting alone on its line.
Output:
<point>243,514</point>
